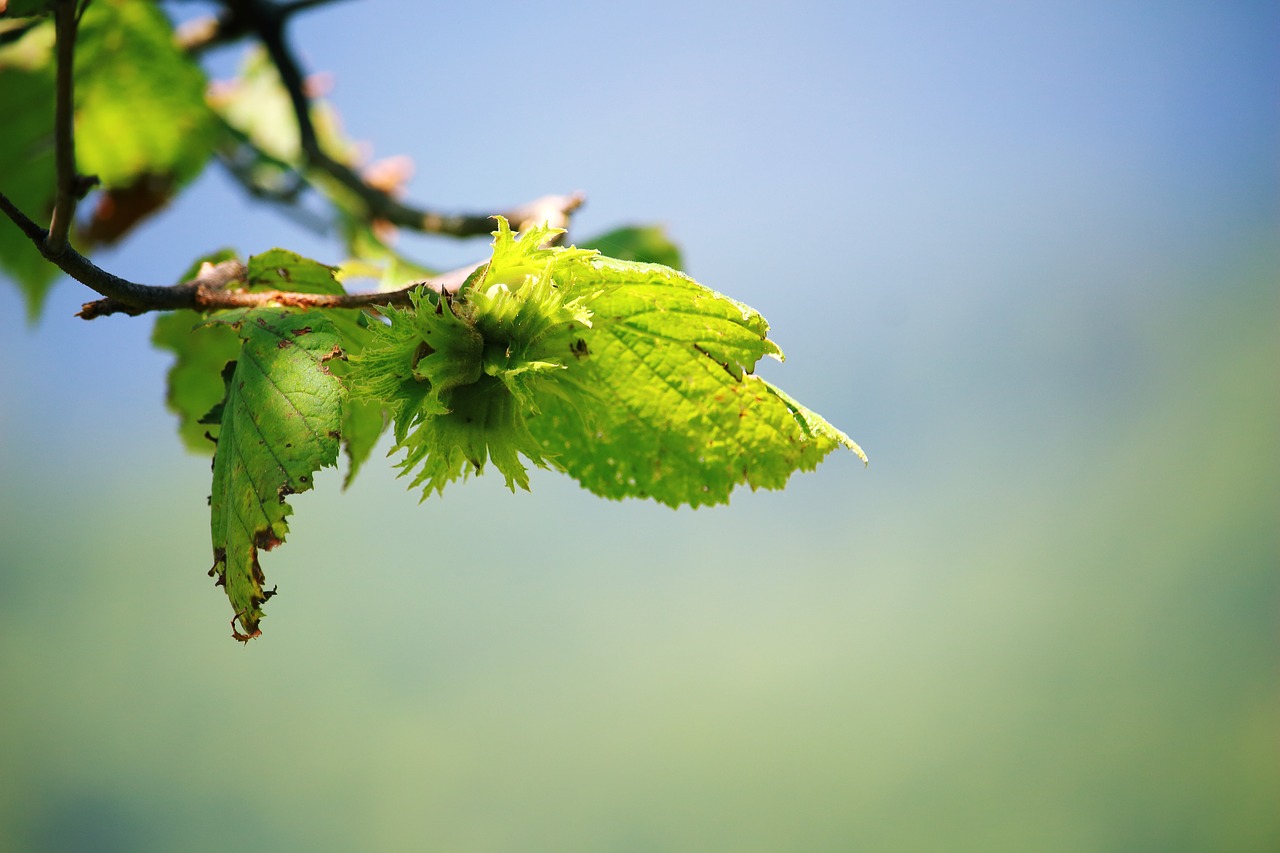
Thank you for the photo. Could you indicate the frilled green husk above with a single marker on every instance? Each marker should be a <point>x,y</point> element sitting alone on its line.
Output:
<point>461,373</point>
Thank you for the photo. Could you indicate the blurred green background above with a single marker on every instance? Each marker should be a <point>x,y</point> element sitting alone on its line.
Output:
<point>1026,254</point>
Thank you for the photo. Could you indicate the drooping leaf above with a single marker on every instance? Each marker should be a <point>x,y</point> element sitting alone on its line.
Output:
<point>262,382</point>
<point>631,377</point>
<point>280,424</point>
<point>645,243</point>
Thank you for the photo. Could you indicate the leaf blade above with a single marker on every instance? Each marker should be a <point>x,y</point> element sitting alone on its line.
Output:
<point>280,424</point>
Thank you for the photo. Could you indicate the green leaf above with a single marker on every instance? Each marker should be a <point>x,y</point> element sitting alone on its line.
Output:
<point>280,269</point>
<point>676,414</point>
<point>645,243</point>
<point>140,107</point>
<point>201,350</point>
<point>280,424</point>
<point>195,384</point>
<point>260,381</point>
<point>686,436</point>
<point>631,377</point>
<point>363,423</point>
<point>26,158</point>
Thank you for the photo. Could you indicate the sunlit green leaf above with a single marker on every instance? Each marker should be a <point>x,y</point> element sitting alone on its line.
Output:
<point>674,413</point>
<point>140,105</point>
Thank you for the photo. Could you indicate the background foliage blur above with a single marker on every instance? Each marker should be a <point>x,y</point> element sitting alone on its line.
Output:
<point>1025,254</point>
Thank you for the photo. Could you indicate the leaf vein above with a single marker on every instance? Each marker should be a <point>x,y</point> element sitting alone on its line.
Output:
<point>684,395</point>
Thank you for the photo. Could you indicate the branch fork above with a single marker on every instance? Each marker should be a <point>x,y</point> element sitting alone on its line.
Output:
<point>212,288</point>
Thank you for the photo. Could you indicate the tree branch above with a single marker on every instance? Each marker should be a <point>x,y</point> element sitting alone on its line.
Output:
<point>70,186</point>
<point>266,20</point>
<point>208,291</point>
<point>211,290</point>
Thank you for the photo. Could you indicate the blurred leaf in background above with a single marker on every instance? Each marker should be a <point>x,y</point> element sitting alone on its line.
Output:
<point>142,127</point>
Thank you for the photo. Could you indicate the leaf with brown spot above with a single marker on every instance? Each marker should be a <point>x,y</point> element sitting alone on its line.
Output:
<point>281,422</point>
